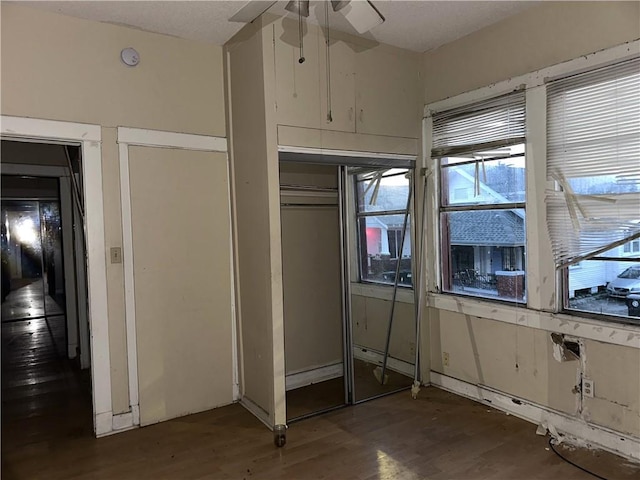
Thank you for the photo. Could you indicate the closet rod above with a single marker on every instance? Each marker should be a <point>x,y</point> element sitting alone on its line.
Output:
<point>314,188</point>
<point>308,205</point>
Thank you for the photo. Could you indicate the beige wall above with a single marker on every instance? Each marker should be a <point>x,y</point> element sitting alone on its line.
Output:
<point>514,359</point>
<point>251,150</point>
<point>62,68</point>
<point>311,269</point>
<point>181,231</point>
<point>541,36</point>
<point>370,323</point>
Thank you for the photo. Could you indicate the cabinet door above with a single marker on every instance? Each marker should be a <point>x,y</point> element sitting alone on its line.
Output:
<point>387,93</point>
<point>297,84</point>
<point>343,88</point>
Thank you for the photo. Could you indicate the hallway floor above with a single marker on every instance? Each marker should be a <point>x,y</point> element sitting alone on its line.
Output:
<point>27,300</point>
<point>45,399</point>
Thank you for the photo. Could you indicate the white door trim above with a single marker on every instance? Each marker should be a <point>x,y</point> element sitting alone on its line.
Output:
<point>89,138</point>
<point>152,138</point>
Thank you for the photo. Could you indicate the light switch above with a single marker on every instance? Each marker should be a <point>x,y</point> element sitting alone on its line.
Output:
<point>116,255</point>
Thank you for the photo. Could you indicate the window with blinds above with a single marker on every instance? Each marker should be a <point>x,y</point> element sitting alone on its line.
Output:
<point>593,153</point>
<point>480,149</point>
<point>593,156</point>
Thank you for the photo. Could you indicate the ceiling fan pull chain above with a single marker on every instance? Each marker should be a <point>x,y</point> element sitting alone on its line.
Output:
<point>300,32</point>
<point>328,51</point>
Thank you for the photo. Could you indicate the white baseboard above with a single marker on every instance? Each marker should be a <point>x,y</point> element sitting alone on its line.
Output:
<point>576,429</point>
<point>257,411</point>
<point>314,375</point>
<point>109,424</point>
<point>372,356</point>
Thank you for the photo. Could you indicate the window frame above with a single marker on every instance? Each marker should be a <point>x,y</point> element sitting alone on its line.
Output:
<point>357,215</point>
<point>544,307</point>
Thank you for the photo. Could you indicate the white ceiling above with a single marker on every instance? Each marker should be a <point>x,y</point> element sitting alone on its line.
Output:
<point>414,25</point>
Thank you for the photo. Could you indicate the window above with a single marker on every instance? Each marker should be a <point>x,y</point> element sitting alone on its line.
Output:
<point>593,152</point>
<point>481,155</point>
<point>381,202</point>
<point>631,247</point>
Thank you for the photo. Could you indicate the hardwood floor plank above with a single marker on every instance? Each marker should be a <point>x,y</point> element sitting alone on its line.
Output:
<point>47,434</point>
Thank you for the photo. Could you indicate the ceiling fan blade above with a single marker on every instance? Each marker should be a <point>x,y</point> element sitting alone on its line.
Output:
<point>362,15</point>
<point>299,7</point>
<point>251,11</point>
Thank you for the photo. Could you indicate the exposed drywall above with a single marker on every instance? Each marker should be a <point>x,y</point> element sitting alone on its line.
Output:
<point>311,269</point>
<point>181,261</point>
<point>253,234</point>
<point>538,37</point>
<point>63,68</point>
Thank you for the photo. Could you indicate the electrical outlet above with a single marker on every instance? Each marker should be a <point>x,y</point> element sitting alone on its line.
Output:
<point>445,359</point>
<point>587,388</point>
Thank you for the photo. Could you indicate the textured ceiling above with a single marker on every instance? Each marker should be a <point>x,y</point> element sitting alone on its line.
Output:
<point>414,25</point>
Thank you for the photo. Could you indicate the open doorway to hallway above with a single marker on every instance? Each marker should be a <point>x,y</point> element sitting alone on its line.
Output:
<point>46,385</point>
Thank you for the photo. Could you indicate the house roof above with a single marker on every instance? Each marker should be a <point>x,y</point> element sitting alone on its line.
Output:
<point>487,228</point>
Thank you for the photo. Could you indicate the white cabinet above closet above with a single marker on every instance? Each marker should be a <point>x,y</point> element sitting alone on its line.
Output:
<point>374,88</point>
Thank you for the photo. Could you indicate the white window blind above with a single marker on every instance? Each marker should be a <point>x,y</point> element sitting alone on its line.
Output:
<point>499,121</point>
<point>593,155</point>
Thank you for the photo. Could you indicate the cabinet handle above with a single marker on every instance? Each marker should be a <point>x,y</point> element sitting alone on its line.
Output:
<point>350,113</point>
<point>361,114</point>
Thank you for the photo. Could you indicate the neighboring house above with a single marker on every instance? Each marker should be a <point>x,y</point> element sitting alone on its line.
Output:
<point>486,241</point>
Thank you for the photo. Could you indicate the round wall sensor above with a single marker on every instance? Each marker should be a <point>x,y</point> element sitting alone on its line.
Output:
<point>130,57</point>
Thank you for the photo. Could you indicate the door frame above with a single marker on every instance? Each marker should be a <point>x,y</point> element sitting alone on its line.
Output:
<point>89,138</point>
<point>127,137</point>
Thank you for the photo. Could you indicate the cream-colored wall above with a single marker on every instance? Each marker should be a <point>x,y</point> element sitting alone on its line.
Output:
<point>311,269</point>
<point>62,68</point>
<point>538,37</point>
<point>375,91</point>
<point>515,359</point>
<point>181,248</point>
<point>251,186</point>
<point>370,322</point>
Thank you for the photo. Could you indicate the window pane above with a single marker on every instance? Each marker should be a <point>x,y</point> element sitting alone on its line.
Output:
<point>484,253</point>
<point>380,239</point>
<point>382,190</point>
<point>605,287</point>
<point>498,181</point>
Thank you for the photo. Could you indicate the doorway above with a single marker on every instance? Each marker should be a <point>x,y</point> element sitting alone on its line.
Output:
<point>349,326</point>
<point>46,382</point>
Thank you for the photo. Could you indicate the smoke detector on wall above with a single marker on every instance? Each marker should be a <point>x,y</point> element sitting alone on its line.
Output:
<point>130,57</point>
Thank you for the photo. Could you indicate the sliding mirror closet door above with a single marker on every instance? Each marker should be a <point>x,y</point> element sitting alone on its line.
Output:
<point>382,314</point>
<point>312,271</point>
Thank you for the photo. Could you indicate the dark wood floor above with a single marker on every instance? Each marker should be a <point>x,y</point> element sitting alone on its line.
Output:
<point>46,434</point>
<point>330,393</point>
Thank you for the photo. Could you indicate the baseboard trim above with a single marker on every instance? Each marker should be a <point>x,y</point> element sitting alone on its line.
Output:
<point>576,430</point>
<point>314,375</point>
<point>372,356</point>
<point>257,411</point>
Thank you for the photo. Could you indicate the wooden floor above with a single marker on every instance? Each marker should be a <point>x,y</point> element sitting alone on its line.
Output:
<point>47,434</point>
<point>330,393</point>
<point>437,436</point>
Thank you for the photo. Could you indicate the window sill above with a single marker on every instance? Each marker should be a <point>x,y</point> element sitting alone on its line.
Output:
<point>383,292</point>
<point>572,325</point>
